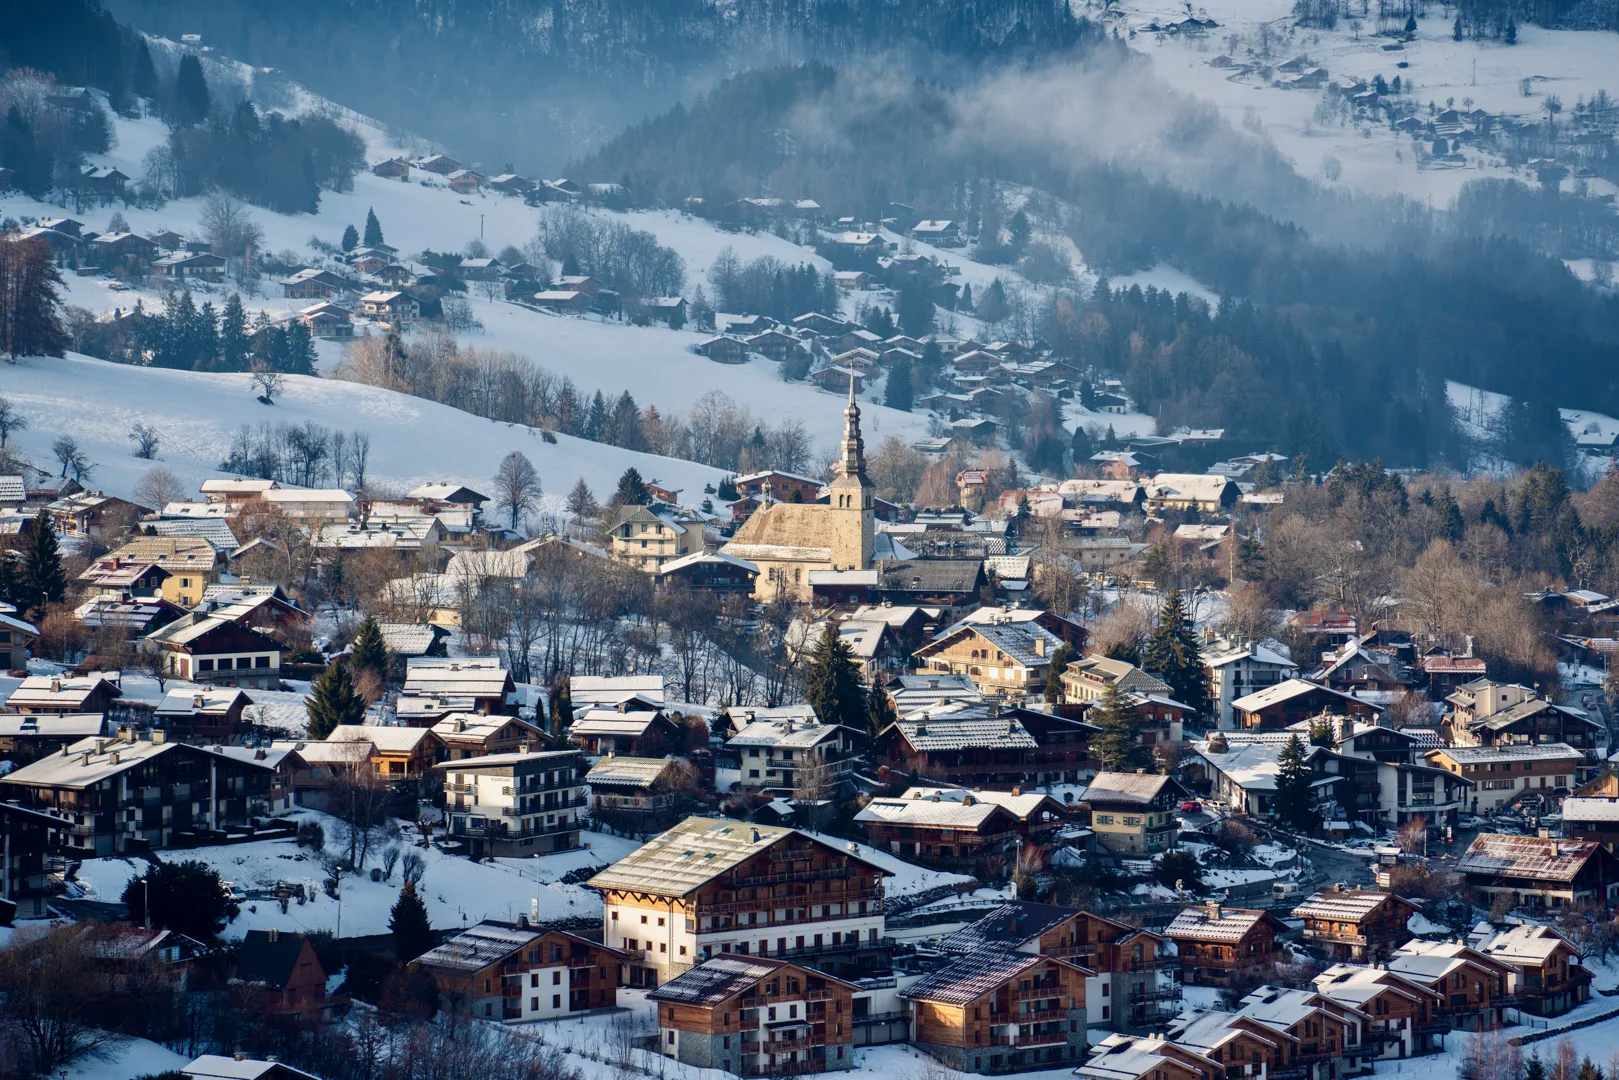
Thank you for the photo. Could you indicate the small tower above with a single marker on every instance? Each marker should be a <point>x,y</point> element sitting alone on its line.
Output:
<point>853,515</point>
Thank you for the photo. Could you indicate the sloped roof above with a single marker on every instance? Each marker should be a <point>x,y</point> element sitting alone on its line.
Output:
<point>938,813</point>
<point>973,976</point>
<point>1484,755</point>
<point>393,740</point>
<point>783,732</point>
<point>477,947</point>
<point>790,532</point>
<point>1538,858</point>
<point>471,676</point>
<point>1590,809</point>
<point>612,689</point>
<point>717,980</point>
<point>1286,691</point>
<point>613,722</point>
<point>692,853</point>
<point>1014,924</point>
<point>1204,1030</point>
<point>1526,943</point>
<point>1343,906</point>
<point>1214,923</point>
<point>970,730</point>
<point>613,771</point>
<point>57,690</point>
<point>268,957</point>
<point>1133,788</point>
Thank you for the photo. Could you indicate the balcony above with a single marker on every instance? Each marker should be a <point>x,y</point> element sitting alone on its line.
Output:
<point>1336,937</point>
<point>1141,994</point>
<point>1040,993</point>
<point>1050,1037</point>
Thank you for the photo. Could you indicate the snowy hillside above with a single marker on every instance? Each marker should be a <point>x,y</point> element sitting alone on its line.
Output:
<point>413,441</point>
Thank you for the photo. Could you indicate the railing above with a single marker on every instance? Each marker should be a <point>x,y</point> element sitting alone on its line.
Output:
<point>875,898</point>
<point>1335,936</point>
<point>1156,993</point>
<point>1040,1038</point>
<point>581,961</point>
<point>881,1018</point>
<point>1040,993</point>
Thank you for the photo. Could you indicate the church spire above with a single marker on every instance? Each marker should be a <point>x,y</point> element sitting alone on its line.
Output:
<point>854,448</point>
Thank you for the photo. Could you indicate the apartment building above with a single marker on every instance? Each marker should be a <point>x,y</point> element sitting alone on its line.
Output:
<point>517,972</point>
<point>515,804</point>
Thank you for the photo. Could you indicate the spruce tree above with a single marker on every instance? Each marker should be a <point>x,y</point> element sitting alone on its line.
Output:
<point>1452,526</point>
<point>880,712</point>
<point>1115,746</point>
<point>1295,798</point>
<point>1511,35</point>
<point>373,229</point>
<point>1534,1068</point>
<point>897,392</point>
<point>631,489</point>
<point>581,503</point>
<point>413,933</point>
<point>561,707</point>
<point>368,651</point>
<point>234,344</point>
<point>9,581</point>
<point>334,701</point>
<point>43,581</point>
<point>298,356</point>
<point>351,238</point>
<point>834,689</point>
<point>191,99</point>
<point>1059,664</point>
<point>1321,732</point>
<point>1174,656</point>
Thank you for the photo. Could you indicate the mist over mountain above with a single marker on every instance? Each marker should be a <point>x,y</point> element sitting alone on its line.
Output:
<point>532,82</point>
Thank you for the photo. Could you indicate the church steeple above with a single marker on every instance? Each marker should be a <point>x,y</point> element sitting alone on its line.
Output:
<point>851,497</point>
<point>854,447</point>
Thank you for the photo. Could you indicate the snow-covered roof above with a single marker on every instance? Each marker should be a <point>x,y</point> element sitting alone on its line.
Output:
<point>477,947</point>
<point>599,722</point>
<point>1128,1057</point>
<point>1216,923</point>
<point>1349,906</point>
<point>393,740</point>
<point>1205,1030</point>
<point>1526,944</point>
<point>612,771</point>
<point>931,812</point>
<point>1484,755</point>
<point>60,725</point>
<point>610,690</point>
<point>1536,857</point>
<point>220,1067</point>
<point>972,976</point>
<point>208,700</point>
<point>1285,691</point>
<point>787,733</point>
<point>962,728</point>
<point>56,691</point>
<point>87,762</point>
<point>720,979</point>
<point>1227,653</point>
<point>479,676</point>
<point>1588,809</point>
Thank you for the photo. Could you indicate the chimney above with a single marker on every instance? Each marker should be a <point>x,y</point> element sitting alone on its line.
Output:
<point>1039,646</point>
<point>239,1056</point>
<point>274,934</point>
<point>1214,913</point>
<point>114,757</point>
<point>159,737</point>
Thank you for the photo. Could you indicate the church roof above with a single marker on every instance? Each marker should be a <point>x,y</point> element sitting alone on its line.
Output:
<point>786,532</point>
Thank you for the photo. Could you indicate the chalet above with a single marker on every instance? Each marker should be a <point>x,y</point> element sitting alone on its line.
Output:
<point>1592,818</point>
<point>519,973</point>
<point>1128,1057</point>
<point>712,572</point>
<point>974,832</point>
<point>482,269</point>
<point>185,565</point>
<point>638,733</point>
<point>400,753</point>
<point>312,284</point>
<point>121,249</point>
<point>1474,985</point>
<point>1002,658</point>
<point>391,306</point>
<point>1539,871</point>
<point>1286,703</point>
<point>185,264</point>
<point>132,794</point>
<point>1088,678</point>
<point>648,539</point>
<point>1221,946</point>
<point>259,607</point>
<point>1237,669</point>
<point>515,804</point>
<point>467,735</point>
<point>208,714</point>
<point>1000,1011</point>
<point>241,1067</point>
<point>60,695</point>
<point>392,169</point>
<point>785,749</point>
<point>465,181</point>
<point>29,736</point>
<point>214,650</point>
<point>1494,714</point>
<point>640,794</point>
<point>1408,1016</point>
<point>754,1016</point>
<point>1356,924</point>
<point>839,380</point>
<point>235,491</point>
<point>780,486</point>
<point>1545,971</point>
<point>512,184</point>
<point>17,637</point>
<point>1183,491</point>
<point>688,895</point>
<point>611,691</point>
<point>1328,1032</point>
<point>964,744</point>
<point>436,687</point>
<point>1222,1036</point>
<point>724,350</point>
<point>93,515</point>
<point>1504,774</point>
<point>327,321</point>
<point>284,975</point>
<point>1134,812</point>
<point>442,164</point>
<point>946,583</point>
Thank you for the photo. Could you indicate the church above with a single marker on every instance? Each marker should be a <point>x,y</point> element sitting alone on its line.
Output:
<point>787,541</point>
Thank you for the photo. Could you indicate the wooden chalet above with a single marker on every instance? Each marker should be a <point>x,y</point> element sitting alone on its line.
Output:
<point>1221,946</point>
<point>1538,871</point>
<point>285,976</point>
<point>514,972</point>
<point>970,745</point>
<point>1408,1017</point>
<point>469,735</point>
<point>1474,985</point>
<point>998,1011</point>
<point>1278,707</point>
<point>1546,976</point>
<point>1356,924</point>
<point>954,829</point>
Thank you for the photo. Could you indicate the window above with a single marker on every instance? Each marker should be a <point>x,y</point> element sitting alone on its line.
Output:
<point>533,1004</point>
<point>556,978</point>
<point>643,920</point>
<point>261,661</point>
<point>556,1001</point>
<point>205,665</point>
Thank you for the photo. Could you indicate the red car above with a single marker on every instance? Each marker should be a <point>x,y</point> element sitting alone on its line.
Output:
<point>1191,806</point>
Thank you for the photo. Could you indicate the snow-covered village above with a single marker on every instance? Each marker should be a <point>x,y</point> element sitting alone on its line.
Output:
<point>652,541</point>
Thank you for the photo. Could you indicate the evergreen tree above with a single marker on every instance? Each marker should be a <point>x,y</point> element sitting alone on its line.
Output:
<point>561,707</point>
<point>43,581</point>
<point>1411,23</point>
<point>1115,746</point>
<point>298,349</point>
<point>879,712</point>
<point>142,72</point>
<point>191,99</point>
<point>373,229</point>
<point>368,652</point>
<point>1251,559</point>
<point>1174,656</point>
<point>1456,29</point>
<point>1019,230</point>
<point>351,238</point>
<point>631,489</point>
<point>1534,1068</point>
<point>1059,664</point>
<point>581,503</point>
<point>30,307</point>
<point>1451,524</point>
<point>1512,31</point>
<point>413,934</point>
<point>897,392</point>
<point>1021,517</point>
<point>10,583</point>
<point>334,701</point>
<point>727,488</point>
<point>20,150</point>
<point>234,345</point>
<point>596,418</point>
<point>1321,732</point>
<point>833,689</point>
<point>1295,796</point>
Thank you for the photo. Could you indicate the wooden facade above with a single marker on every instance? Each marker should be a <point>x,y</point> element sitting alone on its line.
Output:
<point>1356,924</point>
<point>1219,946</point>
<point>1003,1013</point>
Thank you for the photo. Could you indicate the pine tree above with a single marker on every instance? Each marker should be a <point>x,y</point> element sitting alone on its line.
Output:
<point>1059,664</point>
<point>1115,747</point>
<point>142,72</point>
<point>1512,31</point>
<point>413,933</point>
<point>234,344</point>
<point>833,689</point>
<point>631,489</point>
<point>1251,559</point>
<point>1534,1068</point>
<point>30,299</point>
<point>334,701</point>
<point>351,238</point>
<point>373,229</point>
<point>1295,798</point>
<point>1456,30</point>
<point>299,356</point>
<point>9,581</point>
<point>43,581</point>
<point>1021,517</point>
<point>1321,732</point>
<point>897,393</point>
<point>561,707</point>
<point>1174,656</point>
<point>368,652</point>
<point>192,102</point>
<point>1451,524</point>
<point>1019,230</point>
<point>879,712</point>
<point>581,503</point>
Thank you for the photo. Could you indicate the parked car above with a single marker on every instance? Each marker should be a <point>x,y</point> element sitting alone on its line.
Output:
<point>1191,806</point>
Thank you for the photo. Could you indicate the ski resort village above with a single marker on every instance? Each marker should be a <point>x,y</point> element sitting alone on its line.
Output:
<point>458,623</point>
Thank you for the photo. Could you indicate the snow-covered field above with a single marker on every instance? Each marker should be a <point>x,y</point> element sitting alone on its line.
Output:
<point>413,441</point>
<point>1568,63</point>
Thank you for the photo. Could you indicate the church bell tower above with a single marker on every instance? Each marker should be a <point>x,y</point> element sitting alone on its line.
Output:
<point>853,515</point>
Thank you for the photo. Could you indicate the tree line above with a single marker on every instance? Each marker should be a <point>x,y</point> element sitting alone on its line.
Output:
<point>194,337</point>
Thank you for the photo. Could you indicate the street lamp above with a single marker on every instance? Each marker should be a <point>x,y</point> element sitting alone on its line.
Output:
<point>146,903</point>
